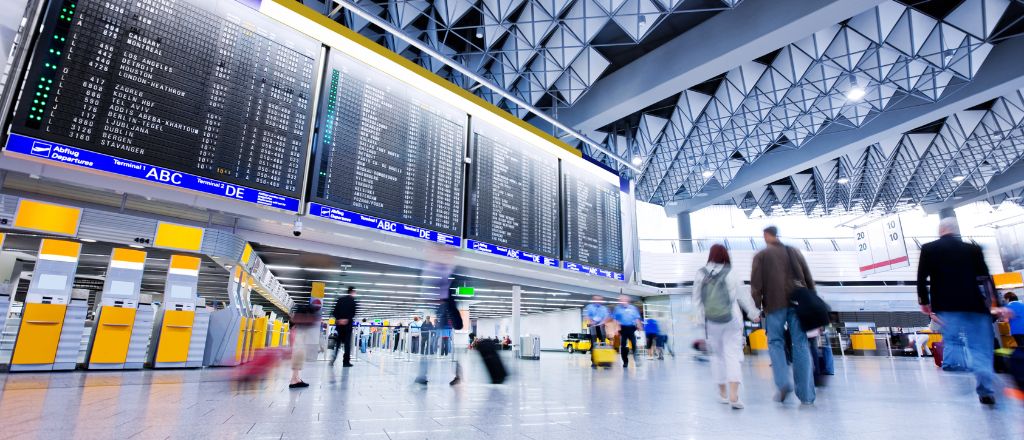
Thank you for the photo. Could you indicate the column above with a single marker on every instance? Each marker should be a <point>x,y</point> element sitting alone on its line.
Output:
<point>685,232</point>
<point>517,293</point>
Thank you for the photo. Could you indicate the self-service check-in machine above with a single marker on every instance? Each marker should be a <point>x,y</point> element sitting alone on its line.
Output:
<point>227,327</point>
<point>259,329</point>
<point>5,298</point>
<point>179,333</point>
<point>52,323</point>
<point>276,330</point>
<point>115,338</point>
<point>248,320</point>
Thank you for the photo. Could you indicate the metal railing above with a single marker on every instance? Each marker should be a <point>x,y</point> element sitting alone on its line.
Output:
<point>823,244</point>
<point>400,342</point>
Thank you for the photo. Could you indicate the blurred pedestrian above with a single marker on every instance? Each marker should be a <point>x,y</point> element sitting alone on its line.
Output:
<point>651,334</point>
<point>629,320</point>
<point>776,271</point>
<point>414,334</point>
<point>1017,320</point>
<point>596,315</point>
<point>954,285</point>
<point>344,314</point>
<point>717,295</point>
<point>305,326</point>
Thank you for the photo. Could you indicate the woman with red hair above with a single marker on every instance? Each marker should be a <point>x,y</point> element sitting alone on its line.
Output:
<point>719,298</point>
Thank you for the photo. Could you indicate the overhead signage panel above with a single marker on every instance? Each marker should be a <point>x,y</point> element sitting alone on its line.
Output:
<point>368,221</point>
<point>881,246</point>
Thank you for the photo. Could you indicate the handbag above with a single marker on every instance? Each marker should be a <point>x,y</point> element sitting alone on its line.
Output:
<point>811,310</point>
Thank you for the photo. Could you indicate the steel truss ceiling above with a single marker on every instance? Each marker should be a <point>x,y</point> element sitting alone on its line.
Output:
<point>546,52</point>
<point>932,164</point>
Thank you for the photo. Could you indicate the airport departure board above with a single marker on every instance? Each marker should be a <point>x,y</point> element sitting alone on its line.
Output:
<point>591,215</point>
<point>513,193</point>
<point>387,150</point>
<point>211,88</point>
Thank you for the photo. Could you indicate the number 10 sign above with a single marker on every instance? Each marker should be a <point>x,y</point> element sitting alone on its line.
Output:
<point>881,246</point>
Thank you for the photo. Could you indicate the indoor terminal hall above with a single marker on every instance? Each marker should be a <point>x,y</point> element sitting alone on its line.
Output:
<point>512,219</point>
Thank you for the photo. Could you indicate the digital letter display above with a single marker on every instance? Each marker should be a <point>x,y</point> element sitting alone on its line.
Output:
<point>591,215</point>
<point>206,95</point>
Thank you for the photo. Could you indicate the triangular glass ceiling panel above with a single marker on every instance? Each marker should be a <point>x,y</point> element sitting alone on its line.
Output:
<point>637,18</point>
<point>450,10</point>
<point>586,19</point>
<point>502,9</point>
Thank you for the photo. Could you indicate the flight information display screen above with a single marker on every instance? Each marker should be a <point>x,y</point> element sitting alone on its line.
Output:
<point>591,215</point>
<point>387,150</point>
<point>513,193</point>
<point>210,88</point>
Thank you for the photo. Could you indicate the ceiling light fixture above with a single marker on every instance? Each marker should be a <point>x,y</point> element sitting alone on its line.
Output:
<point>480,32</point>
<point>855,93</point>
<point>707,173</point>
<point>959,178</point>
<point>843,180</point>
<point>637,160</point>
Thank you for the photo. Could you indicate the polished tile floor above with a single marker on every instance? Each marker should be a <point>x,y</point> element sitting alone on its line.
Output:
<point>558,397</point>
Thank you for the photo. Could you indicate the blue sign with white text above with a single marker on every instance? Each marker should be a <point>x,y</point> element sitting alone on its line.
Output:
<point>343,216</point>
<point>101,162</point>
<point>511,253</point>
<point>582,268</point>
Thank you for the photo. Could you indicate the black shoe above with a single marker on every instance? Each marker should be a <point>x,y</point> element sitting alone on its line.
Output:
<point>455,381</point>
<point>347,365</point>
<point>987,400</point>
<point>421,380</point>
<point>299,384</point>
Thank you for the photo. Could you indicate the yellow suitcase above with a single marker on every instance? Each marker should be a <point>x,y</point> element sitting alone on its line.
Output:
<point>603,354</point>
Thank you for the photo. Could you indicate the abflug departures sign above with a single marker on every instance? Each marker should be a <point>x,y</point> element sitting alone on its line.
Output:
<point>209,96</point>
<point>387,156</point>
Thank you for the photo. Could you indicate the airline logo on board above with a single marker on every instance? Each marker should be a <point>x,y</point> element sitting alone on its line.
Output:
<point>41,149</point>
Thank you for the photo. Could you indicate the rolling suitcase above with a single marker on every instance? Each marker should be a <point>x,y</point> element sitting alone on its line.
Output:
<point>937,353</point>
<point>603,354</point>
<point>492,360</point>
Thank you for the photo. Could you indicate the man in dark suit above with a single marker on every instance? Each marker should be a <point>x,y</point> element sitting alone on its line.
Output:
<point>344,313</point>
<point>952,288</point>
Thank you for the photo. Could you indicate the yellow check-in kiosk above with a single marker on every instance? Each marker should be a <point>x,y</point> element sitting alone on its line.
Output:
<point>276,330</point>
<point>50,333</point>
<point>285,334</point>
<point>260,329</point>
<point>120,336</point>
<point>176,319</point>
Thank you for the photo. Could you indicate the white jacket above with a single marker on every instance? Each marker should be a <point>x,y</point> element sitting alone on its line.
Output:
<point>739,296</point>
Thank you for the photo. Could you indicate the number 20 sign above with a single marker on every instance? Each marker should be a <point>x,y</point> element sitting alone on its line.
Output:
<point>881,246</point>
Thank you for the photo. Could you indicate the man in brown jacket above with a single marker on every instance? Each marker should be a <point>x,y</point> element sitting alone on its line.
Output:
<point>775,272</point>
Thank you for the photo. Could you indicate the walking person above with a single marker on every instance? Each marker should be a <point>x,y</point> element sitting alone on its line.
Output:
<point>1017,320</point>
<point>344,313</point>
<point>414,334</point>
<point>429,335</point>
<point>954,285</point>
<point>596,315</point>
<point>304,327</point>
<point>651,334</point>
<point>629,320</point>
<point>776,271</point>
<point>718,296</point>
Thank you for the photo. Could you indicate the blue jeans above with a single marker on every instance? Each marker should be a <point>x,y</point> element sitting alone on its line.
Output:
<point>976,331</point>
<point>775,326</point>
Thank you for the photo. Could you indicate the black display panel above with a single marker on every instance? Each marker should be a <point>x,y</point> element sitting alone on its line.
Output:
<point>592,219</point>
<point>387,150</point>
<point>513,193</point>
<point>206,87</point>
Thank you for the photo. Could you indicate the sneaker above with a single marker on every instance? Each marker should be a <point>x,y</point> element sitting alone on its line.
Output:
<point>299,384</point>
<point>347,365</point>
<point>987,400</point>
<point>736,405</point>
<point>723,400</point>
<point>455,381</point>
<point>781,394</point>
<point>421,380</point>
